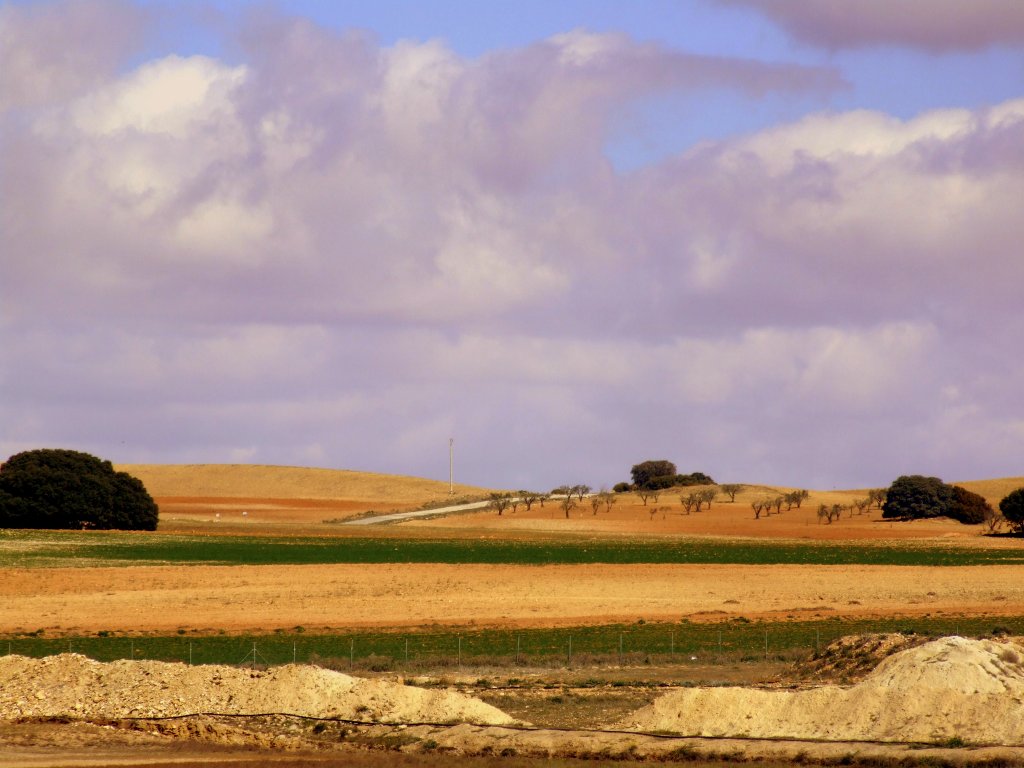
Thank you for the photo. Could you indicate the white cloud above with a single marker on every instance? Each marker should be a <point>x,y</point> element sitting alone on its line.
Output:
<point>173,95</point>
<point>337,244</point>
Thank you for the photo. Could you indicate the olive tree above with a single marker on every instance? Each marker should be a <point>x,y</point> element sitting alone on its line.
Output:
<point>730,490</point>
<point>1012,507</point>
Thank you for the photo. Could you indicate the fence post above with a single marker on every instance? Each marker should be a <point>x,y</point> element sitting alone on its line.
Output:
<point>518,640</point>
<point>190,653</point>
<point>351,653</point>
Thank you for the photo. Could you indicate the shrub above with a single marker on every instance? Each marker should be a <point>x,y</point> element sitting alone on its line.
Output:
<point>694,478</point>
<point>967,507</point>
<point>1012,507</point>
<point>622,487</point>
<point>56,488</point>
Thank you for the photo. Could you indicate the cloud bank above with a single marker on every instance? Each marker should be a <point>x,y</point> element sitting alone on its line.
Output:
<point>937,26</point>
<point>338,253</point>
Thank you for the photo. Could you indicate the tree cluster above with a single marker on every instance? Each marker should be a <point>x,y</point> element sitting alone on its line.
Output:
<point>913,497</point>
<point>58,488</point>
<point>659,475</point>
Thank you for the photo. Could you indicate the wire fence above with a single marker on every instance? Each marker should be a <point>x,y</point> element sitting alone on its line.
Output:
<point>622,644</point>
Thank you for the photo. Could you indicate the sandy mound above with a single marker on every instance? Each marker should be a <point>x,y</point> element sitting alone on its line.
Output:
<point>851,658</point>
<point>951,688</point>
<point>70,684</point>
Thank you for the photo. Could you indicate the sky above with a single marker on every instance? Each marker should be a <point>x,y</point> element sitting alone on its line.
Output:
<point>769,240</point>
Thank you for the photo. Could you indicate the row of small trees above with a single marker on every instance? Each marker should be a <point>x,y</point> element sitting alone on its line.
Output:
<point>829,513</point>
<point>765,506</point>
<point>568,497</point>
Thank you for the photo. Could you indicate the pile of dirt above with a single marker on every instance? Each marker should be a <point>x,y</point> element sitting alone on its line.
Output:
<point>852,657</point>
<point>76,686</point>
<point>947,690</point>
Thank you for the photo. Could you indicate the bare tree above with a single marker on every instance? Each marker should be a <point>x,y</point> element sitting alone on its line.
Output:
<point>799,497</point>
<point>529,498</point>
<point>730,490</point>
<point>706,496</point>
<point>687,500</point>
<point>567,504</point>
<point>758,505</point>
<point>862,505</point>
<point>829,513</point>
<point>878,495</point>
<point>777,503</point>
<point>655,510</point>
<point>581,491</point>
<point>994,520</point>
<point>595,502</point>
<point>648,493</point>
<point>609,499</point>
<point>500,502</point>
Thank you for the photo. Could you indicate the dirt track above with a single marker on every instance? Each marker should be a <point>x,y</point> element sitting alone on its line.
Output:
<point>267,597</point>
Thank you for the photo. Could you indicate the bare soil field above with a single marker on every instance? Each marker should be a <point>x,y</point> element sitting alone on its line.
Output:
<point>202,494</point>
<point>237,598</point>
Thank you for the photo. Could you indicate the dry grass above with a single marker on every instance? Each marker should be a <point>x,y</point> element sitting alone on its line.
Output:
<point>250,481</point>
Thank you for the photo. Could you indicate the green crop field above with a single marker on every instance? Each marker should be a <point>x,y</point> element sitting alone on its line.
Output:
<point>636,643</point>
<point>64,548</point>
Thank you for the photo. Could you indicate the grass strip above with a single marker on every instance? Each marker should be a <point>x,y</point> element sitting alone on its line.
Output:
<point>57,548</point>
<point>738,640</point>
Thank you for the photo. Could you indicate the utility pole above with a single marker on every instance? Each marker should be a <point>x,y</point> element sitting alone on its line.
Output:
<point>451,466</point>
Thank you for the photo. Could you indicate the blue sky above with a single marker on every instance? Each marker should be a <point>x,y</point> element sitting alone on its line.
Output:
<point>769,240</point>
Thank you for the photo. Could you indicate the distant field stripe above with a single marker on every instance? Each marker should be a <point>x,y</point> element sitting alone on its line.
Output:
<point>46,548</point>
<point>737,639</point>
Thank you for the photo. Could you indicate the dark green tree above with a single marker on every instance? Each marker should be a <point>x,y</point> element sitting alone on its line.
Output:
<point>1012,507</point>
<point>911,497</point>
<point>57,488</point>
<point>648,474</point>
<point>968,507</point>
<point>694,478</point>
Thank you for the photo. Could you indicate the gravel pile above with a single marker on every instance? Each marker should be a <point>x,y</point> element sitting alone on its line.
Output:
<point>77,686</point>
<point>952,689</point>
